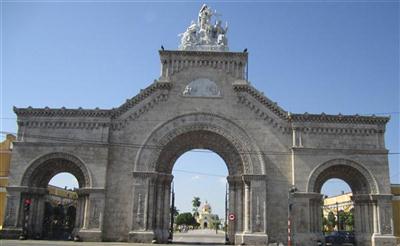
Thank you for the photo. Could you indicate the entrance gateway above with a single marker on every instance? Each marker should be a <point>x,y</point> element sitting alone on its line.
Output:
<point>123,157</point>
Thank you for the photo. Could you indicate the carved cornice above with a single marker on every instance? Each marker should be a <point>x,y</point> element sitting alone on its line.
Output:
<point>119,124</point>
<point>281,120</point>
<point>145,93</point>
<point>61,112</point>
<point>339,130</point>
<point>62,124</point>
<point>245,90</point>
<point>272,106</point>
<point>213,54</point>
<point>106,117</point>
<point>349,119</point>
<point>232,63</point>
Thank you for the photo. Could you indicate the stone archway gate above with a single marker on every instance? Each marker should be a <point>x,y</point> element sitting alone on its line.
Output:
<point>123,157</point>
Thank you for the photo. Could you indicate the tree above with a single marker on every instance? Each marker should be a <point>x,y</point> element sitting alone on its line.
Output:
<point>349,222</point>
<point>216,223</point>
<point>185,219</point>
<point>196,204</point>
<point>342,218</point>
<point>331,221</point>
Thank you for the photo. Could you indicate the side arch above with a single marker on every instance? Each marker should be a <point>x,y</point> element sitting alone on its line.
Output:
<point>360,179</point>
<point>200,125</point>
<point>41,170</point>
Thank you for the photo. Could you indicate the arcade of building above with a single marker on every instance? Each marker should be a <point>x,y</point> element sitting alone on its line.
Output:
<point>277,161</point>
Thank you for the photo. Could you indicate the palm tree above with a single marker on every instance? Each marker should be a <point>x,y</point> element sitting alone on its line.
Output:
<point>196,204</point>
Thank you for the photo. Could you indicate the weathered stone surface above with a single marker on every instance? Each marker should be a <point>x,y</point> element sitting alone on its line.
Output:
<point>123,157</point>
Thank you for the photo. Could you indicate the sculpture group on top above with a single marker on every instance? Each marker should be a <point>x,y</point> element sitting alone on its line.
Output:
<point>203,35</point>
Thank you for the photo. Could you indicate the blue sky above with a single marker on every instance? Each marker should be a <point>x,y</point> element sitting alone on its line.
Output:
<point>309,56</point>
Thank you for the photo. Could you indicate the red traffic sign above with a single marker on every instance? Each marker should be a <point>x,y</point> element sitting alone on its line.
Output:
<point>231,217</point>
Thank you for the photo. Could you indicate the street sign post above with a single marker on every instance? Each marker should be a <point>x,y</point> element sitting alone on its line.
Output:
<point>232,217</point>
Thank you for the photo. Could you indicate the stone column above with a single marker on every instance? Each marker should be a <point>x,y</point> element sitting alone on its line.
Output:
<point>167,179</point>
<point>255,226</point>
<point>80,212</point>
<point>383,220</point>
<point>364,206</point>
<point>161,228</point>
<point>304,218</point>
<point>94,201</point>
<point>247,215</point>
<point>37,197</point>
<point>232,206</point>
<point>12,211</point>
<point>144,207</point>
<point>15,217</point>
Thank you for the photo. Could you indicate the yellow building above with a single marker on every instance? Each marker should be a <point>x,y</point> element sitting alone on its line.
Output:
<point>396,210</point>
<point>206,219</point>
<point>5,159</point>
<point>337,204</point>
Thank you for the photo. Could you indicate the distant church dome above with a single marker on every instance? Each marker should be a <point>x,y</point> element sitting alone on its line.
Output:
<point>206,208</point>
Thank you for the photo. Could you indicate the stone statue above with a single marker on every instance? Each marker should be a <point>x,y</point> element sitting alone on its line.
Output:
<point>189,37</point>
<point>203,35</point>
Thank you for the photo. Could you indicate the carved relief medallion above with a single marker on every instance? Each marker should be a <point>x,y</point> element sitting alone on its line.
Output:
<point>202,87</point>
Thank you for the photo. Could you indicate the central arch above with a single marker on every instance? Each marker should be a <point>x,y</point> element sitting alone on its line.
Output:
<point>155,161</point>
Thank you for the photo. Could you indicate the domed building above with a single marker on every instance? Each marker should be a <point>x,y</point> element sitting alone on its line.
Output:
<point>206,219</point>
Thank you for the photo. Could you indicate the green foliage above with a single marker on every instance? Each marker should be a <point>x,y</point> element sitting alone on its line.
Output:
<point>196,204</point>
<point>185,219</point>
<point>216,224</point>
<point>331,219</point>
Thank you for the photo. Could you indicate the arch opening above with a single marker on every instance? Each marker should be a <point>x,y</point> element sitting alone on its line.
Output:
<point>199,188</point>
<point>347,207</point>
<point>51,207</point>
<point>60,206</point>
<point>161,161</point>
<point>200,139</point>
<point>337,210</point>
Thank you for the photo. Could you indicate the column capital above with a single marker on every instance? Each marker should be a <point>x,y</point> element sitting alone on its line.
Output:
<point>250,177</point>
<point>307,195</point>
<point>155,176</point>
<point>26,189</point>
<point>88,191</point>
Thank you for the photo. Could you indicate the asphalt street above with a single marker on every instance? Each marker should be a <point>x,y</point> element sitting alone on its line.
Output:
<point>195,237</point>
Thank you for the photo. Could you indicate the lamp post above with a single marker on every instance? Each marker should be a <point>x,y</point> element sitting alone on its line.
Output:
<point>171,232</point>
<point>226,214</point>
<point>292,190</point>
<point>337,215</point>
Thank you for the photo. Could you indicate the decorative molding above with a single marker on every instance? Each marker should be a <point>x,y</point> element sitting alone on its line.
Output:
<point>164,87</point>
<point>340,130</point>
<point>232,63</point>
<point>34,173</point>
<point>353,170</point>
<point>107,115</point>
<point>244,90</point>
<point>119,124</point>
<point>61,112</point>
<point>63,124</point>
<point>326,118</point>
<point>259,96</point>
<point>147,159</point>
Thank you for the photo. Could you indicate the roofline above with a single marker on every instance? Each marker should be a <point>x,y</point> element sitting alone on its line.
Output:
<point>201,52</point>
<point>328,118</point>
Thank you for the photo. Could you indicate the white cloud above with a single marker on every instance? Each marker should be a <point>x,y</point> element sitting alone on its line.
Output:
<point>197,177</point>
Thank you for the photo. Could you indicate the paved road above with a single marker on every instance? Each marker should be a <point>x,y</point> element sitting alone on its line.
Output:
<point>203,237</point>
<point>196,237</point>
